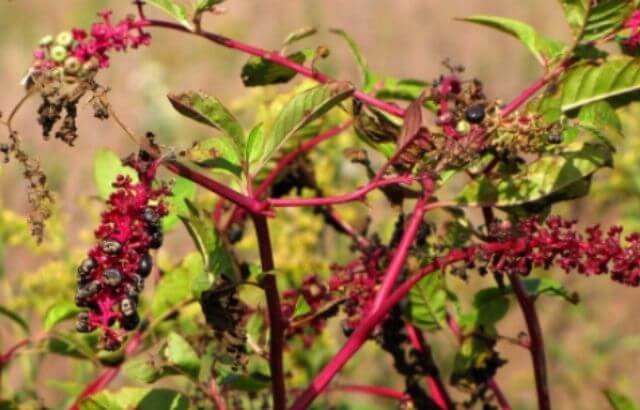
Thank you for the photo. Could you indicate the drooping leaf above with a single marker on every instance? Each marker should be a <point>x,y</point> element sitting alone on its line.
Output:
<point>540,179</point>
<point>182,190</point>
<point>106,168</point>
<point>301,110</point>
<point>368,77</point>
<point>215,256</point>
<point>543,48</point>
<point>592,22</point>
<point>404,89</point>
<point>258,71</point>
<point>588,83</point>
<point>491,305</point>
<point>427,303</point>
<point>299,34</point>
<point>14,317</point>
<point>182,356</point>
<point>210,111</point>
<point>136,398</point>
<point>59,313</point>
<point>218,154</point>
<point>619,401</point>
<point>175,10</point>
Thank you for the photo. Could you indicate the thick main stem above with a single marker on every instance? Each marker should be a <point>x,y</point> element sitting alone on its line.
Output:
<point>276,324</point>
<point>536,348</point>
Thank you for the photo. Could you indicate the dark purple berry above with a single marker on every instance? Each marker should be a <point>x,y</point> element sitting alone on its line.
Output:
<point>554,138</point>
<point>475,114</point>
<point>156,238</point>
<point>112,344</point>
<point>87,266</point>
<point>130,322</point>
<point>146,263</point>
<point>111,247</point>
<point>112,277</point>
<point>150,216</point>
<point>83,324</point>
<point>138,282</point>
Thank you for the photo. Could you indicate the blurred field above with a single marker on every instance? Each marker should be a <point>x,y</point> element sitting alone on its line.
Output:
<point>591,346</point>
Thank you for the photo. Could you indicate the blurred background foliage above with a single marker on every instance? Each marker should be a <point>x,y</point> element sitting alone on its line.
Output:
<point>591,346</point>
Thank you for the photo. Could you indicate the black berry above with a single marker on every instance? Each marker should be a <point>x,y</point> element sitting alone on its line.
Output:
<point>111,247</point>
<point>87,266</point>
<point>127,307</point>
<point>130,322</point>
<point>156,238</point>
<point>138,282</point>
<point>150,216</point>
<point>112,277</point>
<point>146,263</point>
<point>82,323</point>
<point>475,114</point>
<point>554,138</point>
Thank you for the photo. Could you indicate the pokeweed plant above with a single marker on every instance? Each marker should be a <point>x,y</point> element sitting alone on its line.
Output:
<point>241,334</point>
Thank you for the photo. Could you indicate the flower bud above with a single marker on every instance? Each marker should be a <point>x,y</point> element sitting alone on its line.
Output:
<point>64,39</point>
<point>46,41</point>
<point>72,65</point>
<point>58,54</point>
<point>463,127</point>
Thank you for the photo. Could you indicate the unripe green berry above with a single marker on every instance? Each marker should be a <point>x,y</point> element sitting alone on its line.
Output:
<point>46,41</point>
<point>463,127</point>
<point>72,65</point>
<point>58,54</point>
<point>64,39</point>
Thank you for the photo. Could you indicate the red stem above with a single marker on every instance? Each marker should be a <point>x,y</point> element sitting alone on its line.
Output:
<point>276,324</point>
<point>400,255</point>
<point>214,393</point>
<point>356,195</point>
<point>436,387</point>
<point>372,390</point>
<point>276,58</point>
<point>536,347</point>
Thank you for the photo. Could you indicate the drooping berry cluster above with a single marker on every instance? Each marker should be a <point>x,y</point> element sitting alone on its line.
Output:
<point>558,242</point>
<point>113,274</point>
<point>78,53</point>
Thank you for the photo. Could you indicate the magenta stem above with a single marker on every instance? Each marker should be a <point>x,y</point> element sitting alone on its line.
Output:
<point>276,323</point>
<point>356,195</point>
<point>438,390</point>
<point>372,390</point>
<point>276,58</point>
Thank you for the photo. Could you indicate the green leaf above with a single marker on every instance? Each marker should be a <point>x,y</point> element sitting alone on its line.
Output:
<point>540,286</point>
<point>210,111</point>
<point>136,398</point>
<point>255,144</point>
<point>368,77</point>
<point>587,83</point>
<point>540,179</point>
<point>204,5</point>
<point>544,49</point>
<point>176,284</point>
<point>74,345</point>
<point>14,317</point>
<point>299,34</point>
<point>302,308</point>
<point>143,370</point>
<point>183,190</point>
<point>491,304</point>
<point>594,22</point>
<point>182,356</point>
<point>301,110</point>
<point>59,313</point>
<point>619,401</point>
<point>217,154</point>
<point>601,119</point>
<point>427,302</point>
<point>258,71</point>
<point>248,383</point>
<point>175,10</point>
<point>106,168</point>
<point>215,256</point>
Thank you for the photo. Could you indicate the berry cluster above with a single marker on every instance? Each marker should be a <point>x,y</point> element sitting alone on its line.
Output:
<point>632,40</point>
<point>112,276</point>
<point>557,242</point>
<point>79,54</point>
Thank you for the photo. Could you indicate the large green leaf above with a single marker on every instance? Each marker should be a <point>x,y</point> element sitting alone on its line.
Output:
<point>175,287</point>
<point>619,401</point>
<point>14,317</point>
<point>175,10</point>
<point>543,48</point>
<point>182,356</point>
<point>588,83</point>
<point>210,111</point>
<point>491,305</point>
<point>58,313</point>
<point>258,71</point>
<point>106,168</point>
<point>217,154</point>
<point>136,398</point>
<point>427,302</point>
<point>540,179</point>
<point>591,22</point>
<point>301,110</point>
<point>182,190</point>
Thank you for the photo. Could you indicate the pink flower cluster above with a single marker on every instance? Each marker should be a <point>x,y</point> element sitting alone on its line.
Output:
<point>112,276</point>
<point>79,52</point>
<point>633,23</point>
<point>557,242</point>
